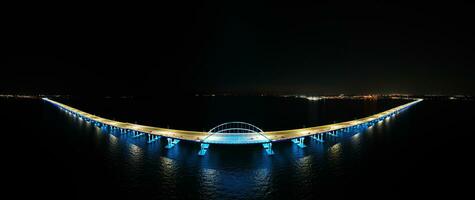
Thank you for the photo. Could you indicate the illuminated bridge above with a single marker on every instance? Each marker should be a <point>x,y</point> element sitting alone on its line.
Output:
<point>234,132</point>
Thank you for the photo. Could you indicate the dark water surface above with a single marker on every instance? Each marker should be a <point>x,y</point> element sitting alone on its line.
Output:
<point>423,152</point>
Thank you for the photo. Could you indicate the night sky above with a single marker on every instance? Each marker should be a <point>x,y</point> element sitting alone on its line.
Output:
<point>241,48</point>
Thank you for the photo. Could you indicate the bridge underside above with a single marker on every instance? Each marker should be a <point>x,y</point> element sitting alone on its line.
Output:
<point>236,138</point>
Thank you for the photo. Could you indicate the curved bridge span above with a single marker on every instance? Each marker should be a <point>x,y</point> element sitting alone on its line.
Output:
<point>234,132</point>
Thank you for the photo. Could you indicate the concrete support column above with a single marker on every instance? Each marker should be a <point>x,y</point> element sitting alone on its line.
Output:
<point>152,138</point>
<point>299,142</point>
<point>204,148</point>
<point>318,137</point>
<point>333,133</point>
<point>268,148</point>
<point>171,143</point>
<point>138,134</point>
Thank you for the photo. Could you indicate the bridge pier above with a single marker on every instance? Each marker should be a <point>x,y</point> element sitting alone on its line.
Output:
<point>119,130</point>
<point>152,138</point>
<point>204,148</point>
<point>171,143</point>
<point>332,133</point>
<point>268,148</point>
<point>299,142</point>
<point>370,125</point>
<point>318,137</point>
<point>138,134</point>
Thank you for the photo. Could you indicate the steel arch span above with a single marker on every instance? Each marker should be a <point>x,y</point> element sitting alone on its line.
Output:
<point>235,133</point>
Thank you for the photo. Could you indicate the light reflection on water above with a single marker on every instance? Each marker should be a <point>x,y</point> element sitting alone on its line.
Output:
<point>113,143</point>
<point>136,153</point>
<point>167,167</point>
<point>209,180</point>
<point>262,176</point>
<point>215,181</point>
<point>335,156</point>
<point>135,158</point>
<point>356,140</point>
<point>305,166</point>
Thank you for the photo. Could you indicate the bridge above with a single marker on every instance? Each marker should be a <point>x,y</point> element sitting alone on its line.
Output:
<point>234,132</point>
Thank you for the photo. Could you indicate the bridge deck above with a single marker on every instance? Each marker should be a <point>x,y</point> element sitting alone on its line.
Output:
<point>198,136</point>
<point>295,133</point>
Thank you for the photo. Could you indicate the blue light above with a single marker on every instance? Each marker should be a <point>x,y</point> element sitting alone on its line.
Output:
<point>299,142</point>
<point>204,148</point>
<point>268,148</point>
<point>171,143</point>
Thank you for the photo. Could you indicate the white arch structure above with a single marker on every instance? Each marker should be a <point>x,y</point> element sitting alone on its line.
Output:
<point>235,133</point>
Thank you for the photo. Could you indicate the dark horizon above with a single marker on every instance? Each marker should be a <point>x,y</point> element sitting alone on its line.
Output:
<point>204,48</point>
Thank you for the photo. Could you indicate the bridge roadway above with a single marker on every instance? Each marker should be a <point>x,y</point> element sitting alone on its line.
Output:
<point>174,136</point>
<point>296,133</point>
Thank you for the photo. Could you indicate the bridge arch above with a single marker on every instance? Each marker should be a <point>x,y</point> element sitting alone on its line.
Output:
<point>236,132</point>
<point>235,127</point>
